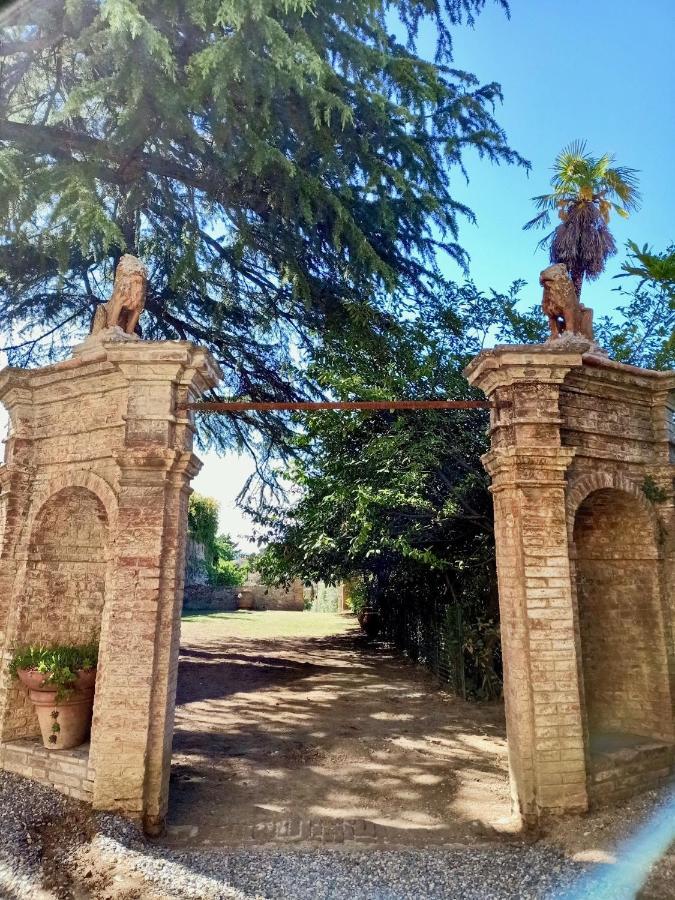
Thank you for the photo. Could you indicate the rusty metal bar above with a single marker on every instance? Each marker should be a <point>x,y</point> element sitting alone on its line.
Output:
<point>232,406</point>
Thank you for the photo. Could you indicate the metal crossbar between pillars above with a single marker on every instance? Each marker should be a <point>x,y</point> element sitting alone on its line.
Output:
<point>234,406</point>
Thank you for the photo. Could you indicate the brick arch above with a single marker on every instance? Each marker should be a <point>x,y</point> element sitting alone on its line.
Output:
<point>581,488</point>
<point>65,583</point>
<point>91,482</point>
<point>621,615</point>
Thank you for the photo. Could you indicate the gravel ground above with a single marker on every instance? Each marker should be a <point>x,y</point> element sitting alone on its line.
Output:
<point>55,849</point>
<point>24,807</point>
<point>489,873</point>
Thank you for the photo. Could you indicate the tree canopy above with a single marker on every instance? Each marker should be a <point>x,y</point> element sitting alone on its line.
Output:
<point>393,489</point>
<point>643,333</point>
<point>282,166</point>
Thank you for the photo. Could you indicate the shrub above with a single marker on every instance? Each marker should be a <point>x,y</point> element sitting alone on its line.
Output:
<point>220,550</point>
<point>483,659</point>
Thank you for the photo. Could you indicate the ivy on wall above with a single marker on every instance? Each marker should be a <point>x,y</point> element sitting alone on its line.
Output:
<point>220,551</point>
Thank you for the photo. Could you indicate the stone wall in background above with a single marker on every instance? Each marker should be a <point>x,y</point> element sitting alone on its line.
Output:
<point>252,595</point>
<point>256,595</point>
<point>195,563</point>
<point>208,598</point>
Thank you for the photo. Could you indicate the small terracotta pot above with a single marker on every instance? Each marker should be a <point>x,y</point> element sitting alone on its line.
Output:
<point>64,723</point>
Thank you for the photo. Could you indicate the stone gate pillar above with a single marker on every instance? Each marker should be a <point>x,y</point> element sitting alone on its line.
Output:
<point>582,462</point>
<point>528,467</point>
<point>93,522</point>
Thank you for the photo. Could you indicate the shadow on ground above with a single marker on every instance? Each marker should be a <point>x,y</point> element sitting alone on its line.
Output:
<point>325,729</point>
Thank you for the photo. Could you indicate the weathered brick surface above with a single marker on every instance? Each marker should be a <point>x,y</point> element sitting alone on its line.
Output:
<point>585,564</point>
<point>68,770</point>
<point>94,513</point>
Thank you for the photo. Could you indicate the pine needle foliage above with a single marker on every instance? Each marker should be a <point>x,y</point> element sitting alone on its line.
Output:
<point>282,166</point>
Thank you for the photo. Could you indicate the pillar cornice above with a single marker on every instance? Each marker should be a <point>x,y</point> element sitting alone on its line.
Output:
<point>527,466</point>
<point>506,365</point>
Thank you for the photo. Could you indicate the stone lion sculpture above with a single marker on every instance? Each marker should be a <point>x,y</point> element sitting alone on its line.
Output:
<point>128,298</point>
<point>566,315</point>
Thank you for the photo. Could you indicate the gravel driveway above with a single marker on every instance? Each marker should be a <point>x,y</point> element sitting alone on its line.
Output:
<point>51,847</point>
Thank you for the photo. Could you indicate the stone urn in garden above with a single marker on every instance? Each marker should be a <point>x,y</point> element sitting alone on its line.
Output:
<point>60,682</point>
<point>370,621</point>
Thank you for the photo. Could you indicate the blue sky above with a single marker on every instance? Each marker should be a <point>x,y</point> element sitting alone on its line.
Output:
<point>598,70</point>
<point>591,69</point>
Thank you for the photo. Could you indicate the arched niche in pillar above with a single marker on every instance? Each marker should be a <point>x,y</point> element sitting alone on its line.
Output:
<point>622,624</point>
<point>64,583</point>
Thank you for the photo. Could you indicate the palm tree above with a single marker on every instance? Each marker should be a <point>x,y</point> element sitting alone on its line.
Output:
<point>585,191</point>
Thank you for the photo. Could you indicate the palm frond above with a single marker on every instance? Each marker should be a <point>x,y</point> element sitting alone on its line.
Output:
<point>622,182</point>
<point>583,242</point>
<point>540,221</point>
<point>586,190</point>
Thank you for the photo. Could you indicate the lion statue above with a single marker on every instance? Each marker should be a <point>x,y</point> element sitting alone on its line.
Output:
<point>566,315</point>
<point>128,298</point>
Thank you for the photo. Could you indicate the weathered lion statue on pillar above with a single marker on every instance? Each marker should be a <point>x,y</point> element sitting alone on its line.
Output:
<point>566,315</point>
<point>128,298</point>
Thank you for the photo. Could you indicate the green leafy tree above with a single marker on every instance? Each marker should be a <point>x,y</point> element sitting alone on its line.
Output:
<point>203,519</point>
<point>220,551</point>
<point>282,166</point>
<point>586,190</point>
<point>226,569</point>
<point>655,269</point>
<point>643,334</point>
<point>399,501</point>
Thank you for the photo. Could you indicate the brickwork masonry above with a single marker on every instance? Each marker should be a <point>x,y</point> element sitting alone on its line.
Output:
<point>582,462</point>
<point>93,511</point>
<point>66,770</point>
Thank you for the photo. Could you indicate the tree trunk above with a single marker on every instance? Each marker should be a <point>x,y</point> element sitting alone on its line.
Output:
<point>577,276</point>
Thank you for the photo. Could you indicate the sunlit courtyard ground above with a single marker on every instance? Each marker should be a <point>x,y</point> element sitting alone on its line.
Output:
<point>310,765</point>
<point>291,720</point>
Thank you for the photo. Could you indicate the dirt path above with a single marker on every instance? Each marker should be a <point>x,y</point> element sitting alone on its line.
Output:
<point>290,726</point>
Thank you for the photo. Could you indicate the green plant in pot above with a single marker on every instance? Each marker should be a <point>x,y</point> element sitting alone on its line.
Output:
<point>60,681</point>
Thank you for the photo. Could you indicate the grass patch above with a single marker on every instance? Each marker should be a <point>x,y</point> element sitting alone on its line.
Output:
<point>265,625</point>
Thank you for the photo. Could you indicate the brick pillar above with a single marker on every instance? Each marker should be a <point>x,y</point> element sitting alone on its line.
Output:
<point>103,433</point>
<point>140,632</point>
<point>542,681</point>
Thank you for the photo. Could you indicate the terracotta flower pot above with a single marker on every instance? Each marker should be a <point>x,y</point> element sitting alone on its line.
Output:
<point>86,680</point>
<point>64,723</point>
<point>370,622</point>
<point>34,680</point>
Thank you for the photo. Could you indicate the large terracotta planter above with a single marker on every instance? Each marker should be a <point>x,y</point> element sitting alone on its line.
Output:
<point>37,681</point>
<point>86,680</point>
<point>33,680</point>
<point>64,723</point>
